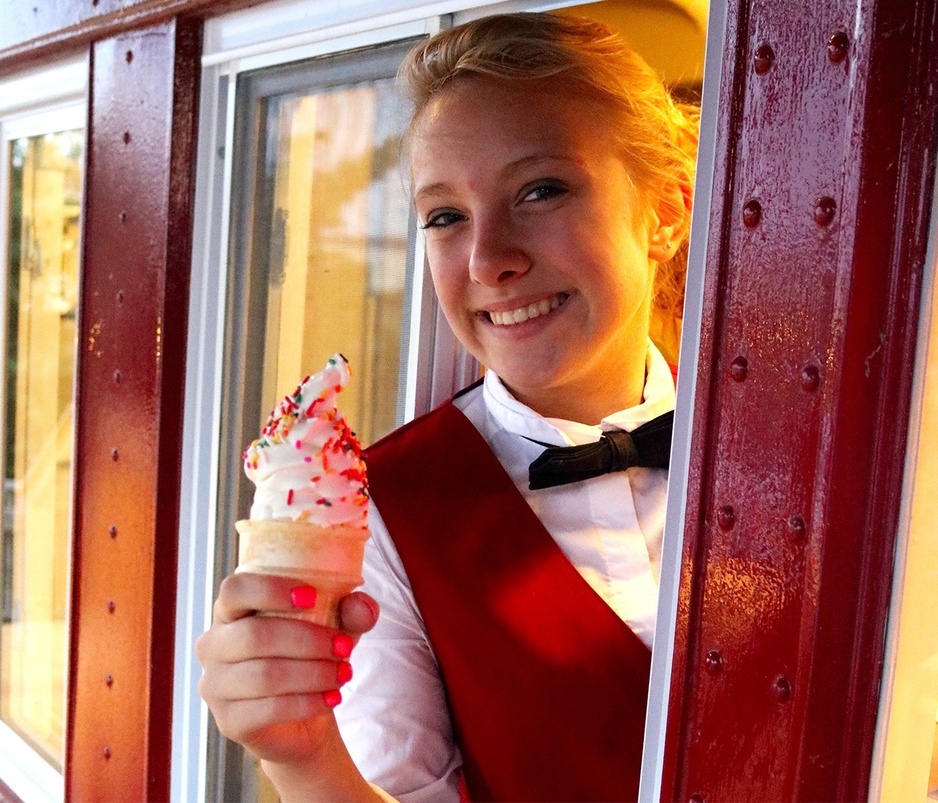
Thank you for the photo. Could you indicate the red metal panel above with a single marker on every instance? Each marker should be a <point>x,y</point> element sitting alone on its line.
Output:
<point>32,30</point>
<point>129,409</point>
<point>817,243</point>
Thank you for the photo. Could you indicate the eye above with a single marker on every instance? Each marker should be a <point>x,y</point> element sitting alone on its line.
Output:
<point>544,191</point>
<point>442,218</point>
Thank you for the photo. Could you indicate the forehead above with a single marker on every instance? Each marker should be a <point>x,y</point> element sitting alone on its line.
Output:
<point>475,116</point>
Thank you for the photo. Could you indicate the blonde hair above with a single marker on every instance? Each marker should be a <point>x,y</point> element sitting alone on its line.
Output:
<point>656,136</point>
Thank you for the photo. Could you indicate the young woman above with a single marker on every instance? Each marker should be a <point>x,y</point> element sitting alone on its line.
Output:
<point>551,176</point>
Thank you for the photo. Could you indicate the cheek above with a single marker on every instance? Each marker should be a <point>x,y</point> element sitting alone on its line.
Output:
<point>448,284</point>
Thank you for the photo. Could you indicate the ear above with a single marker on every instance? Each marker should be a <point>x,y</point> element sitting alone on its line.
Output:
<point>670,220</point>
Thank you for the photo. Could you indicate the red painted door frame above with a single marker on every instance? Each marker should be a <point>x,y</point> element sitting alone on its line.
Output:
<point>822,192</point>
<point>133,316</point>
<point>811,314</point>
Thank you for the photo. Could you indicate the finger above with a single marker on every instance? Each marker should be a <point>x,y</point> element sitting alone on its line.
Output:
<point>273,677</point>
<point>358,613</point>
<point>240,719</point>
<point>265,637</point>
<point>244,594</point>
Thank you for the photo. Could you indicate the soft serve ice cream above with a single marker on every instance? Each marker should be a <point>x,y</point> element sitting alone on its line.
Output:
<point>309,519</point>
<point>307,465</point>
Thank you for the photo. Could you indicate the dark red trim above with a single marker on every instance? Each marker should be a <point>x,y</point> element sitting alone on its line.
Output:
<point>43,29</point>
<point>133,313</point>
<point>805,374</point>
<point>7,795</point>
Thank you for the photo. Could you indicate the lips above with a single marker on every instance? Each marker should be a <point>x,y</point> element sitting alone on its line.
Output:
<point>524,313</point>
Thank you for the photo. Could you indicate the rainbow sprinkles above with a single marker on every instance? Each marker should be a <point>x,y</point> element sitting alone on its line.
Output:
<point>307,463</point>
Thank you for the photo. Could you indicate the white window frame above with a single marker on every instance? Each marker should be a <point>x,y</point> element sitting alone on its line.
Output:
<point>34,102</point>
<point>928,320</point>
<point>669,580</point>
<point>282,31</point>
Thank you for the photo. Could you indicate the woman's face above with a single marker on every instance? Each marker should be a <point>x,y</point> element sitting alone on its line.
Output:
<point>539,245</point>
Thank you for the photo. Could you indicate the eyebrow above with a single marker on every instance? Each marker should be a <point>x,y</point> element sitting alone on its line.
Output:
<point>443,187</point>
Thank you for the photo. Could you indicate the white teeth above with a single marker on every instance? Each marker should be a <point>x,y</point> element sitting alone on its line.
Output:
<point>522,314</point>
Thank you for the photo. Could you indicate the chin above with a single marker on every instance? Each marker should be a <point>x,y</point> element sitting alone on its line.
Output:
<point>523,381</point>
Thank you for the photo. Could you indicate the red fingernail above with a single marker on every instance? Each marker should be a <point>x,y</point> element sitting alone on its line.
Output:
<point>344,672</point>
<point>342,645</point>
<point>332,697</point>
<point>303,597</point>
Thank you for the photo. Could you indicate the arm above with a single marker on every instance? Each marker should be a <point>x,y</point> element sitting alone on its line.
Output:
<point>265,677</point>
<point>394,717</point>
<point>271,683</point>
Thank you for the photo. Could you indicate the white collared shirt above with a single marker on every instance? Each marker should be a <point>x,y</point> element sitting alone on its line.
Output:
<point>394,717</point>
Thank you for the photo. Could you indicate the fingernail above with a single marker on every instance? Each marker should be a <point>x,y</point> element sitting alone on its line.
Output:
<point>372,606</point>
<point>303,597</point>
<point>344,672</point>
<point>332,697</point>
<point>342,645</point>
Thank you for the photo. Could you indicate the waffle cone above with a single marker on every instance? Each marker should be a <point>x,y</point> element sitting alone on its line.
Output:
<point>327,558</point>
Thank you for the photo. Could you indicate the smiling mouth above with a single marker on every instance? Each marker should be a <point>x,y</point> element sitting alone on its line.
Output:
<point>515,316</point>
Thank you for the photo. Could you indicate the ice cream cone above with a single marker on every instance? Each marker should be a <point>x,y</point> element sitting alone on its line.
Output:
<point>327,558</point>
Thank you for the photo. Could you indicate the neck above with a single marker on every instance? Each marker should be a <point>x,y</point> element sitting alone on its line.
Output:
<point>609,391</point>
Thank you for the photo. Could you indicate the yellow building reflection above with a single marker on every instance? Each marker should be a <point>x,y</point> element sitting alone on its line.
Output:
<point>39,343</point>
<point>909,707</point>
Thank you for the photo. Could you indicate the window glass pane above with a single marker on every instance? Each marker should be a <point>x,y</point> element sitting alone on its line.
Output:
<point>39,332</point>
<point>323,250</point>
<point>339,231</point>
<point>330,239</point>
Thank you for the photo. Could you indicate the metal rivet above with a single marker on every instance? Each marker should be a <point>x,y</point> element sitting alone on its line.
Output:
<point>765,58</point>
<point>109,680</point>
<point>739,368</point>
<point>837,47</point>
<point>726,517</point>
<point>123,216</point>
<point>796,527</point>
<point>697,798</point>
<point>112,531</point>
<point>126,137</point>
<point>713,662</point>
<point>781,688</point>
<point>114,454</point>
<point>117,377</point>
<point>120,296</point>
<point>752,213</point>
<point>107,752</point>
<point>810,377</point>
<point>129,56</point>
<point>111,605</point>
<point>824,209</point>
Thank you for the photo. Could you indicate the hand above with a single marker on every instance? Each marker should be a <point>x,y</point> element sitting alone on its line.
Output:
<point>271,681</point>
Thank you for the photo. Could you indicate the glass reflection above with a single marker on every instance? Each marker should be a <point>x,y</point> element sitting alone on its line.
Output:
<point>335,227</point>
<point>39,339</point>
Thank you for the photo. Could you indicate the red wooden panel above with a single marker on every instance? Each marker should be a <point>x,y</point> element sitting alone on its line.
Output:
<point>33,30</point>
<point>826,151</point>
<point>135,275</point>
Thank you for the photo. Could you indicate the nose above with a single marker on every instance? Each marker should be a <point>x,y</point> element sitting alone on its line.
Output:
<point>497,255</point>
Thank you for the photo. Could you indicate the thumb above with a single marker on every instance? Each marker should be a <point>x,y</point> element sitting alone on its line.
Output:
<point>358,613</point>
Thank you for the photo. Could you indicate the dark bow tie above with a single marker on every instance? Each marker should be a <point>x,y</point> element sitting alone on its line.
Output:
<point>649,446</point>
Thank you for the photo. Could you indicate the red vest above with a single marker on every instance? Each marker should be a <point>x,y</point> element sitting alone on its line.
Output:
<point>546,685</point>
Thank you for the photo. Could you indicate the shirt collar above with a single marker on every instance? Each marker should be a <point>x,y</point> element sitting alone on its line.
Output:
<point>518,418</point>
